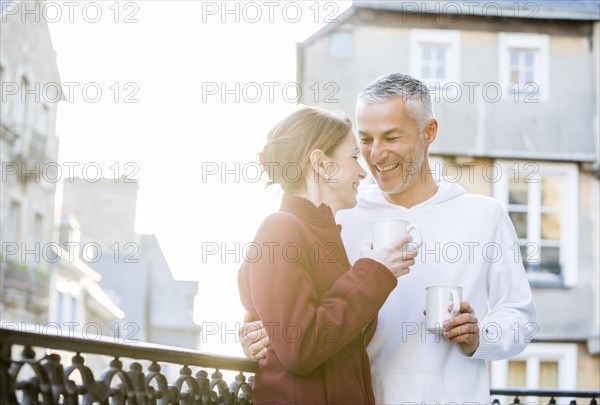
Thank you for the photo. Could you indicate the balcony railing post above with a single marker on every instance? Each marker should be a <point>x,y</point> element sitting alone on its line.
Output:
<point>217,380</point>
<point>164,392</point>
<point>204,384</point>
<point>238,385</point>
<point>122,393</point>
<point>88,388</point>
<point>193,390</point>
<point>7,390</point>
<point>56,376</point>
<point>137,379</point>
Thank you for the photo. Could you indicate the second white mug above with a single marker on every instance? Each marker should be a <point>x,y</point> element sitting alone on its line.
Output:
<point>439,299</point>
<point>388,230</point>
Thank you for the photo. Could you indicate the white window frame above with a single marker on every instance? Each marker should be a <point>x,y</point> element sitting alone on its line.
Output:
<point>565,354</point>
<point>448,38</point>
<point>569,209</point>
<point>541,70</point>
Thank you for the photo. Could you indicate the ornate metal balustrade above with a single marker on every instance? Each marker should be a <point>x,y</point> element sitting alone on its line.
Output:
<point>30,378</point>
<point>51,382</point>
<point>568,397</point>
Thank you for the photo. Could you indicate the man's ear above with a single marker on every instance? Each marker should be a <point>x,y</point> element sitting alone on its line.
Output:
<point>431,131</point>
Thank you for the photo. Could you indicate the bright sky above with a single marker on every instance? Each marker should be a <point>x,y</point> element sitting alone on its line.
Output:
<point>180,136</point>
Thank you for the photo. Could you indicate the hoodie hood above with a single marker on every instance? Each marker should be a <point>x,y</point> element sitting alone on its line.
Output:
<point>371,196</point>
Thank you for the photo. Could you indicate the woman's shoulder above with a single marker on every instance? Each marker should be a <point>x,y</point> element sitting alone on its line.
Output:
<point>281,218</point>
<point>282,224</point>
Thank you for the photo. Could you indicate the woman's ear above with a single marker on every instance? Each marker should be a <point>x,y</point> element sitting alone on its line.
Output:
<point>316,158</point>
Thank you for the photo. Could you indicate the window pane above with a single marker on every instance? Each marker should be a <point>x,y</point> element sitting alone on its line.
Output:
<point>14,223</point>
<point>517,374</point>
<point>519,220</point>
<point>548,378</point>
<point>441,71</point>
<point>552,188</point>
<point>38,224</point>
<point>425,72</point>
<point>549,374</point>
<point>550,260</point>
<point>514,58</point>
<point>526,256</point>
<point>441,54</point>
<point>528,58</point>
<point>426,53</point>
<point>522,66</point>
<point>517,192</point>
<point>551,226</point>
<point>514,76</point>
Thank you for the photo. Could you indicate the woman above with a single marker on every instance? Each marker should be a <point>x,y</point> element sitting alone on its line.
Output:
<point>315,305</point>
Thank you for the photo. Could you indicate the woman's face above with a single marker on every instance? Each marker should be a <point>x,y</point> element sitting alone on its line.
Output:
<point>344,173</point>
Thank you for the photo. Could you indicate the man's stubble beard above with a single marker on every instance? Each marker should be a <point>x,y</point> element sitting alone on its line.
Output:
<point>410,170</point>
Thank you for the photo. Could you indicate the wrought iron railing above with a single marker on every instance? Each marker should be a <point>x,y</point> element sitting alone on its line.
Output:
<point>28,377</point>
<point>522,396</point>
<point>33,378</point>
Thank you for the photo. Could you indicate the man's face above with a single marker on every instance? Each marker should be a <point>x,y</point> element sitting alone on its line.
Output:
<point>392,144</point>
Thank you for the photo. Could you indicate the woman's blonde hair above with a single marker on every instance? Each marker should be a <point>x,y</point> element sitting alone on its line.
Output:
<point>286,156</point>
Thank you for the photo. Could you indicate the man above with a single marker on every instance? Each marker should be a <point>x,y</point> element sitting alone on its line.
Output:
<point>468,241</point>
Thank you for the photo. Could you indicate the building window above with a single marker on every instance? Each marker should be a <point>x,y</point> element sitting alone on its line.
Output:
<point>434,56</point>
<point>62,301</point>
<point>2,80</point>
<point>43,121</point>
<point>38,225</point>
<point>524,65</point>
<point>521,65</point>
<point>13,226</point>
<point>20,107</point>
<point>539,366</point>
<point>340,45</point>
<point>67,299</point>
<point>434,61</point>
<point>541,200</point>
<point>60,307</point>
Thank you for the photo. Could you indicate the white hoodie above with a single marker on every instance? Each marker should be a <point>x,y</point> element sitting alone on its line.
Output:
<point>468,240</point>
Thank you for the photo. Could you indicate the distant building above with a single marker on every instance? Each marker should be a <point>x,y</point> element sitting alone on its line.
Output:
<point>135,273</point>
<point>515,89</point>
<point>28,152</point>
<point>78,303</point>
<point>43,280</point>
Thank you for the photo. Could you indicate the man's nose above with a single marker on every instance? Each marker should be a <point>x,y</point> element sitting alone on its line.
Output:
<point>378,151</point>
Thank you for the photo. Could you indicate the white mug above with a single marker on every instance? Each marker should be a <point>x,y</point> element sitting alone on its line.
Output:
<point>439,299</point>
<point>388,230</point>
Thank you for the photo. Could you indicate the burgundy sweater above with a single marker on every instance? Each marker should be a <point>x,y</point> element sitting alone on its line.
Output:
<point>315,306</point>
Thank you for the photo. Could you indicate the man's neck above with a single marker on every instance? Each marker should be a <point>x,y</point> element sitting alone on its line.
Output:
<point>417,193</point>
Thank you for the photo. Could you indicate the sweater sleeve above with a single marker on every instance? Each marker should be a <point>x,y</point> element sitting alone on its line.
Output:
<point>306,329</point>
<point>510,322</point>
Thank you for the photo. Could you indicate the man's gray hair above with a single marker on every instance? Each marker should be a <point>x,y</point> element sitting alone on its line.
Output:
<point>414,93</point>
